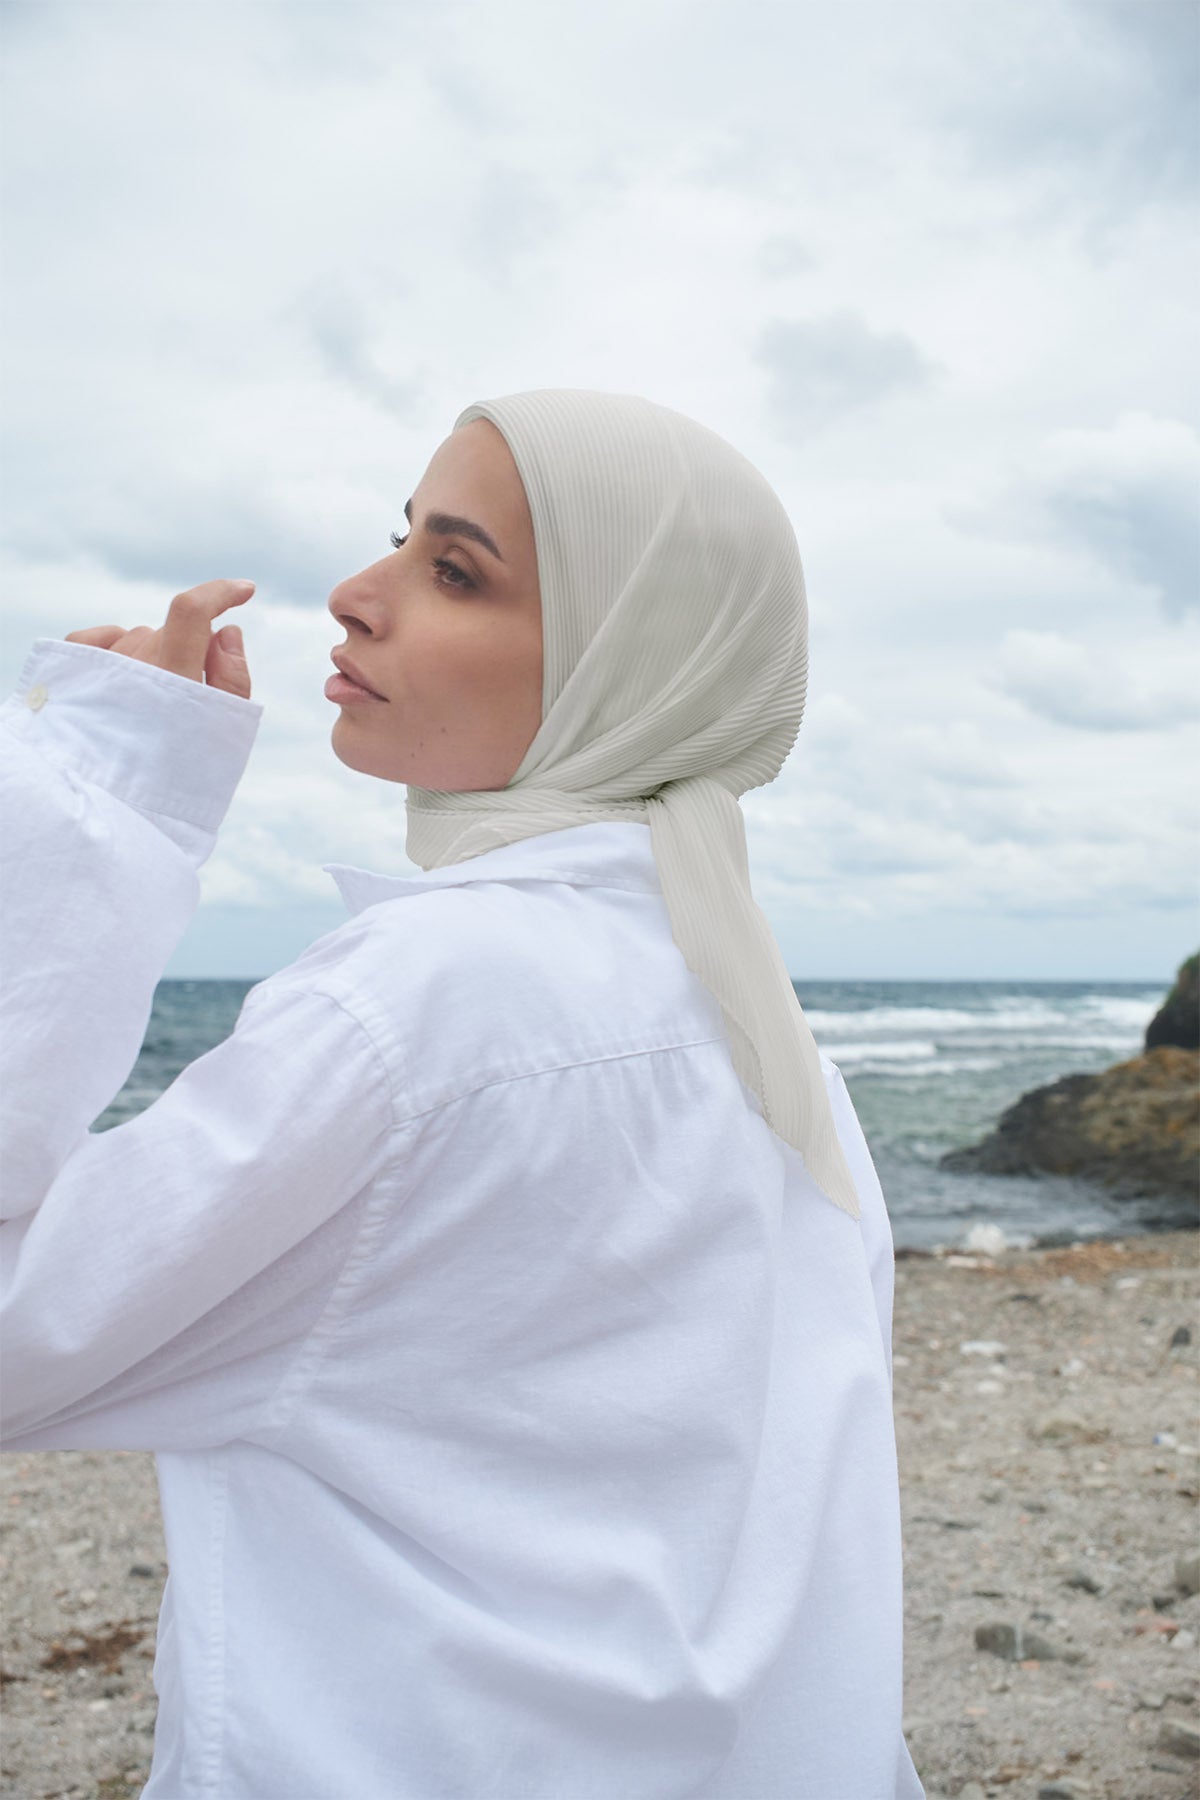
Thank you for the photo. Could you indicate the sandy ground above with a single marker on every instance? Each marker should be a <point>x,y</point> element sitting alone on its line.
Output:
<point>1030,1392</point>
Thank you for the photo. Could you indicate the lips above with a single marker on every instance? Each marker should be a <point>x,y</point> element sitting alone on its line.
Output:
<point>348,682</point>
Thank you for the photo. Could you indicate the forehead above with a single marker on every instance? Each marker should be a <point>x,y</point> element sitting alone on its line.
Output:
<point>475,455</point>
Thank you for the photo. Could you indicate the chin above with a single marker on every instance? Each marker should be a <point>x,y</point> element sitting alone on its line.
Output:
<point>356,756</point>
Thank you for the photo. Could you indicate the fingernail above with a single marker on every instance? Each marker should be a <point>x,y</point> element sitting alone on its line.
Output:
<point>243,584</point>
<point>230,637</point>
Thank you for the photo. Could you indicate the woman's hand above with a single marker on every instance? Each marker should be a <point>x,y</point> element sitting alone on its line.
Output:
<point>185,643</point>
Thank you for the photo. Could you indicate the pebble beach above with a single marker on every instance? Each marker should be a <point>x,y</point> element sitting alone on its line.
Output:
<point>1048,1429</point>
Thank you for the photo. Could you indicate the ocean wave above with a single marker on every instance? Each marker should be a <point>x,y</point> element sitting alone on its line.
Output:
<point>942,1019</point>
<point>1112,1009</point>
<point>902,1051</point>
<point>939,1066</point>
<point>874,1019</point>
<point>1127,1044</point>
<point>1079,1021</point>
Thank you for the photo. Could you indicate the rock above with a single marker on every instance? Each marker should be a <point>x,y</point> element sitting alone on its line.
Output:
<point>1150,1700</point>
<point>1177,1020</point>
<point>1067,1427</point>
<point>1184,1640</point>
<point>1178,1738</point>
<point>972,1790</point>
<point>998,1639</point>
<point>985,1240</point>
<point>76,1547</point>
<point>1147,1627</point>
<point>1013,1644</point>
<point>1134,1127</point>
<point>1187,1573</point>
<point>1086,1579</point>
<point>1063,1790</point>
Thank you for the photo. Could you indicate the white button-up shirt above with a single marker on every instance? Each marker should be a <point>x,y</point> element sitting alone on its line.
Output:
<point>522,1409</point>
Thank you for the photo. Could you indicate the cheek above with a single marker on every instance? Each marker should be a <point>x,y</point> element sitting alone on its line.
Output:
<point>483,654</point>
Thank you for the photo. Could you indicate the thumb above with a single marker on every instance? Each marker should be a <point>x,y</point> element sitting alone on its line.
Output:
<point>225,663</point>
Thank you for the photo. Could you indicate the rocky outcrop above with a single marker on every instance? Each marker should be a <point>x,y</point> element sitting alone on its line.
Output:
<point>1177,1021</point>
<point>1134,1127</point>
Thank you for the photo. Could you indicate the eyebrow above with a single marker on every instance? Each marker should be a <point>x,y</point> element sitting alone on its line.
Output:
<point>440,524</point>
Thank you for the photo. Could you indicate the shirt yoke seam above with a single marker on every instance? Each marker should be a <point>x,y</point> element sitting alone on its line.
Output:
<point>582,1062</point>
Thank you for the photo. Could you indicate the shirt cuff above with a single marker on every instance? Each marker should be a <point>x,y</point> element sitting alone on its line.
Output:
<point>158,741</point>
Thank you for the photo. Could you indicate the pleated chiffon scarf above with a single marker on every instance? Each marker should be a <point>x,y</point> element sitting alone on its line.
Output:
<point>675,650</point>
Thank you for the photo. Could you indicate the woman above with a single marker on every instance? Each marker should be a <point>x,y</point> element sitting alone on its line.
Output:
<point>508,1300</point>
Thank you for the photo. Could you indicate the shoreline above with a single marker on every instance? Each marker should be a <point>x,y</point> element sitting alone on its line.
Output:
<point>1061,1239</point>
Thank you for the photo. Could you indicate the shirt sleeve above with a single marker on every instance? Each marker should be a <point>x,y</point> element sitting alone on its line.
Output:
<point>158,1280</point>
<point>114,779</point>
<point>162,1292</point>
<point>874,1222</point>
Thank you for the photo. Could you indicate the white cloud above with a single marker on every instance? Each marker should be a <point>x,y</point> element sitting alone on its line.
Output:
<point>1075,685</point>
<point>820,369</point>
<point>1128,495</point>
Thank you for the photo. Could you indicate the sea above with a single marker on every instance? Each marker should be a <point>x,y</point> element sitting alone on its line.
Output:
<point>930,1065</point>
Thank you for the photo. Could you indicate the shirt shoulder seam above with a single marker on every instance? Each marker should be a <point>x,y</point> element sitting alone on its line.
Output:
<point>318,991</point>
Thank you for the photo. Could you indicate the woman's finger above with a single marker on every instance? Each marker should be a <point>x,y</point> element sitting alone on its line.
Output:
<point>139,641</point>
<point>103,637</point>
<point>225,664</point>
<point>184,638</point>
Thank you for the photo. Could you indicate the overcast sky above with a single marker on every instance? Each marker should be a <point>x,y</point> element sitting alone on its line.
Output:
<point>929,266</point>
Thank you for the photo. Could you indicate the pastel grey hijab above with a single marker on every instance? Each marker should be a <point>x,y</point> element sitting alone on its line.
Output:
<point>675,646</point>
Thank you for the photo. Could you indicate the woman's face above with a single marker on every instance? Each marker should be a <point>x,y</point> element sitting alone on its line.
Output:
<point>446,632</point>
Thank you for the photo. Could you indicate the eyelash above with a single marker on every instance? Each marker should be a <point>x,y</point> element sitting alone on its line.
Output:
<point>442,564</point>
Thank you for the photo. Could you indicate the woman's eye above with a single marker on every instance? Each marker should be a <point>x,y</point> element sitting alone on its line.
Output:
<point>448,573</point>
<point>451,574</point>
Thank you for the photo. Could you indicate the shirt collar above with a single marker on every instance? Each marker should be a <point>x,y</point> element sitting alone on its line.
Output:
<point>611,853</point>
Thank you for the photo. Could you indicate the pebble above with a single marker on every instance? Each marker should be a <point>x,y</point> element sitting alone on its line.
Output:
<point>1016,1645</point>
<point>1063,1790</point>
<point>1085,1578</point>
<point>1184,1640</point>
<point>986,1240</point>
<point>1065,1425</point>
<point>973,1790</point>
<point>1178,1738</point>
<point>983,1347</point>
<point>1187,1573</point>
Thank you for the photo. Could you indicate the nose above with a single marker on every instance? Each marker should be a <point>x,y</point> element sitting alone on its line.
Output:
<point>358,603</point>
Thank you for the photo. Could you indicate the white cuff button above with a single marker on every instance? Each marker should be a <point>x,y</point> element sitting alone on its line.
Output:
<point>37,697</point>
